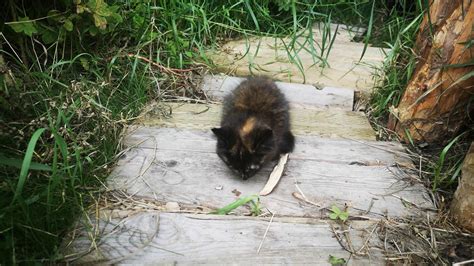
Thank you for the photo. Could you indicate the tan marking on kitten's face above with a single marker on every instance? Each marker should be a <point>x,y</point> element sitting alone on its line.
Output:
<point>247,127</point>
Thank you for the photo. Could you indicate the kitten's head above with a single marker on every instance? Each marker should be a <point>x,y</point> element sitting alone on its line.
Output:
<point>244,152</point>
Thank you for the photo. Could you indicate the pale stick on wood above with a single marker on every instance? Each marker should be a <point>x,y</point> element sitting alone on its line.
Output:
<point>275,175</point>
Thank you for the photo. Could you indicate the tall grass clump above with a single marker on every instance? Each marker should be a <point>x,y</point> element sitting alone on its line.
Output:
<point>398,33</point>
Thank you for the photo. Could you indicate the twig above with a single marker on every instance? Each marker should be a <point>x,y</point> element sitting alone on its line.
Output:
<point>302,197</point>
<point>421,158</point>
<point>265,234</point>
<point>433,244</point>
<point>175,71</point>
<point>143,171</point>
<point>463,262</point>
<point>339,239</point>
<point>380,148</point>
<point>413,204</point>
<point>349,240</point>
<point>368,238</point>
<point>371,204</point>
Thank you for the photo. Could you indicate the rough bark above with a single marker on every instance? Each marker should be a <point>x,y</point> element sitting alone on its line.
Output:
<point>462,208</point>
<point>435,104</point>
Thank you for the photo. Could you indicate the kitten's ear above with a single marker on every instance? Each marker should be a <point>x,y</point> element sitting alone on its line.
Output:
<point>217,131</point>
<point>221,132</point>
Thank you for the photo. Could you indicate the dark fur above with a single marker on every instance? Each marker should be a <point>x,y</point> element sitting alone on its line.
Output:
<point>255,126</point>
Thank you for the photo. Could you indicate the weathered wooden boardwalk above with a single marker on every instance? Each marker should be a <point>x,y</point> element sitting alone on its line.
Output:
<point>169,178</point>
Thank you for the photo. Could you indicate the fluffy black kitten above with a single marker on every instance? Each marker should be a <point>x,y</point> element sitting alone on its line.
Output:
<point>255,126</point>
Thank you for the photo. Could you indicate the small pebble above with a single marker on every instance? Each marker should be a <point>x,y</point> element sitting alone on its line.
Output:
<point>219,187</point>
<point>172,206</point>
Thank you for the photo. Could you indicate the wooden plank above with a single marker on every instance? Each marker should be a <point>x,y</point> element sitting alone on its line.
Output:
<point>299,95</point>
<point>165,238</point>
<point>324,123</point>
<point>345,33</point>
<point>312,148</point>
<point>344,69</point>
<point>177,168</point>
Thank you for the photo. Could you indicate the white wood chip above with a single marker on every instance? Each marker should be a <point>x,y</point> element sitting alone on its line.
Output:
<point>275,176</point>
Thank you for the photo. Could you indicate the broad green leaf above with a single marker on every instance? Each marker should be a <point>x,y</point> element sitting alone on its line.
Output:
<point>343,216</point>
<point>335,209</point>
<point>137,21</point>
<point>81,9</point>
<point>93,30</point>
<point>116,18</point>
<point>99,7</point>
<point>335,261</point>
<point>24,25</point>
<point>55,15</point>
<point>48,36</point>
<point>100,22</point>
<point>68,25</point>
<point>333,216</point>
<point>84,63</point>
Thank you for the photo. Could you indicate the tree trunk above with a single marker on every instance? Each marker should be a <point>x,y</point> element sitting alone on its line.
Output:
<point>436,102</point>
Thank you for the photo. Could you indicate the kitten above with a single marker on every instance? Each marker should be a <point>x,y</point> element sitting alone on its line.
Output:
<point>255,127</point>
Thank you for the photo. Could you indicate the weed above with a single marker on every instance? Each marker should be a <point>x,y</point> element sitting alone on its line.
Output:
<point>398,65</point>
<point>335,261</point>
<point>253,199</point>
<point>452,166</point>
<point>338,214</point>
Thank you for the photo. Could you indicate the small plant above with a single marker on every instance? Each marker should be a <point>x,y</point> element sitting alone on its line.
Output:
<point>256,209</point>
<point>335,261</point>
<point>253,199</point>
<point>439,178</point>
<point>338,214</point>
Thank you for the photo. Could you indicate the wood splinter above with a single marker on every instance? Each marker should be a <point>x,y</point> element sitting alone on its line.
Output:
<point>275,175</point>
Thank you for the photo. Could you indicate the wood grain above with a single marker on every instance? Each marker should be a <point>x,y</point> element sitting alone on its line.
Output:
<point>164,238</point>
<point>344,69</point>
<point>304,121</point>
<point>188,171</point>
<point>299,95</point>
<point>312,148</point>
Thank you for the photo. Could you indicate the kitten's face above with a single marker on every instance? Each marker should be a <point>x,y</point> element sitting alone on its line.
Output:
<point>244,156</point>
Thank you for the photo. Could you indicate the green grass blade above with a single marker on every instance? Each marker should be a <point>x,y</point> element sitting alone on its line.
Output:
<point>369,30</point>
<point>25,167</point>
<point>17,163</point>
<point>235,204</point>
<point>255,21</point>
<point>457,171</point>
<point>442,157</point>
<point>295,17</point>
<point>461,79</point>
<point>415,22</point>
<point>468,64</point>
